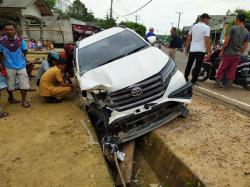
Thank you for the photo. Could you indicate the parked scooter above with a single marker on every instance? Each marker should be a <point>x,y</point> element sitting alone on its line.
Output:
<point>210,66</point>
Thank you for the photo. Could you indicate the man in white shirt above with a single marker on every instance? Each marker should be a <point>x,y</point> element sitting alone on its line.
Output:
<point>199,38</point>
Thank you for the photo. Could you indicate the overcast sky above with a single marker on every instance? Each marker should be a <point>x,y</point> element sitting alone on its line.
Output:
<point>161,13</point>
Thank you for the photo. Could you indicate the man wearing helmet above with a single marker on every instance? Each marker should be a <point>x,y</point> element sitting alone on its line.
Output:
<point>52,85</point>
<point>52,59</point>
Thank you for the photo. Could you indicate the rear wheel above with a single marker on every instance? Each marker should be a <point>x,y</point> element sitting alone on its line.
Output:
<point>203,75</point>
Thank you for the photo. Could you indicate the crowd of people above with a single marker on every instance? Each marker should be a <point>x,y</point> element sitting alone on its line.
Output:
<point>198,45</point>
<point>234,45</point>
<point>52,76</point>
<point>39,45</point>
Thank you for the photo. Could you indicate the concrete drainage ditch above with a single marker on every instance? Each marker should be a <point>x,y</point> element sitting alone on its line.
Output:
<point>154,164</point>
<point>209,148</point>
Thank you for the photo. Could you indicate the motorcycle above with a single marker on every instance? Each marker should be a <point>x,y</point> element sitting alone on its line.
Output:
<point>210,66</point>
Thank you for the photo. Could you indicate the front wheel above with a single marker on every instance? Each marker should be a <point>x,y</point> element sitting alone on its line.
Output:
<point>78,96</point>
<point>203,75</point>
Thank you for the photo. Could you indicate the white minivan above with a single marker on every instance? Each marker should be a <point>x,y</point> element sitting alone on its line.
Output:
<point>129,86</point>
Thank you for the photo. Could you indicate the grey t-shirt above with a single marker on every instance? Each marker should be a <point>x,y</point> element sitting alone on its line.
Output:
<point>239,35</point>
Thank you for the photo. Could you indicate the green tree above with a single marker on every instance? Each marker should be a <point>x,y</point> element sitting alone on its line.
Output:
<point>239,11</point>
<point>106,23</point>
<point>50,3</point>
<point>140,29</point>
<point>63,14</point>
<point>79,11</point>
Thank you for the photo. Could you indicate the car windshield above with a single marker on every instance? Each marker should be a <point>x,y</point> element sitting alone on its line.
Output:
<point>108,50</point>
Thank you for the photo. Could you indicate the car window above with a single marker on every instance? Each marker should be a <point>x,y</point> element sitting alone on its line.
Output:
<point>109,49</point>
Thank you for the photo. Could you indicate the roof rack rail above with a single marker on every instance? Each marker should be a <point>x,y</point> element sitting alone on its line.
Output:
<point>122,26</point>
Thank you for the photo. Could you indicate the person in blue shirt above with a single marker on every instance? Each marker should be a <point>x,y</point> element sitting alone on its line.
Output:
<point>150,33</point>
<point>13,51</point>
<point>2,86</point>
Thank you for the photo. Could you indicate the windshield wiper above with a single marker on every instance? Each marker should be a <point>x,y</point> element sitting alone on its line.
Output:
<point>137,49</point>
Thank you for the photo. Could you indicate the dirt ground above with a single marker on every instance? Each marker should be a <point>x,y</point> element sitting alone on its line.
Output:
<point>214,141</point>
<point>49,145</point>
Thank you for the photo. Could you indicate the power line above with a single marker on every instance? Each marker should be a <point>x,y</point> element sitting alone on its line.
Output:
<point>124,5</point>
<point>137,9</point>
<point>119,8</point>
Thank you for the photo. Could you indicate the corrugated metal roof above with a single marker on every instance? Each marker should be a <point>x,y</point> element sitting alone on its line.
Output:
<point>45,11</point>
<point>16,3</point>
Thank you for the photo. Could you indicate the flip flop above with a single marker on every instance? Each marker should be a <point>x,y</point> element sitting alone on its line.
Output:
<point>3,114</point>
<point>25,104</point>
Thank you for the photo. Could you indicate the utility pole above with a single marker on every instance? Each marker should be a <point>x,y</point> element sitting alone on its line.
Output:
<point>136,18</point>
<point>111,9</point>
<point>179,18</point>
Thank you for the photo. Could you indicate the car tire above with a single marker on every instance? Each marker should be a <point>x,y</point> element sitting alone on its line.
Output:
<point>78,96</point>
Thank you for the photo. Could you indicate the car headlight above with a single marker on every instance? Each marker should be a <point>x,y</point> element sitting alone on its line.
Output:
<point>168,71</point>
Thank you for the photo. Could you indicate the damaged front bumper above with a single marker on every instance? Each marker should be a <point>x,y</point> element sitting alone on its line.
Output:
<point>143,119</point>
<point>133,126</point>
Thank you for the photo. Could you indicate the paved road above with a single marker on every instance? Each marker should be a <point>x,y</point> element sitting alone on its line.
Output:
<point>236,93</point>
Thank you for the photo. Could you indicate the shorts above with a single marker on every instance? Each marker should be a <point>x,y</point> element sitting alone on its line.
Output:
<point>20,75</point>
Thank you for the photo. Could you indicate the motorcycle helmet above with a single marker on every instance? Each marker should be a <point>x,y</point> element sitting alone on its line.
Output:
<point>152,40</point>
<point>53,56</point>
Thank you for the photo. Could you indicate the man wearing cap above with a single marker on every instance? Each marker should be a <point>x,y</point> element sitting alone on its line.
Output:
<point>199,38</point>
<point>235,43</point>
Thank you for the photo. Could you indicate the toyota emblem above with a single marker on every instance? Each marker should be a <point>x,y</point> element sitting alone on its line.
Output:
<point>136,91</point>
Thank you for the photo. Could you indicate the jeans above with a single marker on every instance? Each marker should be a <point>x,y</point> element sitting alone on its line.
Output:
<point>199,57</point>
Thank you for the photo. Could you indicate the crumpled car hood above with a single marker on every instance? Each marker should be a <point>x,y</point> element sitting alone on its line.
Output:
<point>126,71</point>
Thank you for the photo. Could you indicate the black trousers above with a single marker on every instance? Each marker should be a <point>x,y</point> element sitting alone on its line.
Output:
<point>198,57</point>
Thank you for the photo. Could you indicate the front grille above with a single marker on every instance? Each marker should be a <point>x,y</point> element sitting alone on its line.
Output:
<point>152,89</point>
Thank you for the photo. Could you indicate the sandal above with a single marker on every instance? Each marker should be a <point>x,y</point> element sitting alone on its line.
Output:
<point>13,101</point>
<point>25,104</point>
<point>3,114</point>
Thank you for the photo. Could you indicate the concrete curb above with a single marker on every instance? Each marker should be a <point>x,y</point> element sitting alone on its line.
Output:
<point>238,105</point>
<point>170,168</point>
<point>167,166</point>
